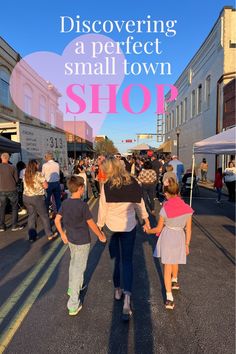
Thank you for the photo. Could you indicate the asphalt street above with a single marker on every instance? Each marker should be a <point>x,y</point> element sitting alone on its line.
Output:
<point>33,284</point>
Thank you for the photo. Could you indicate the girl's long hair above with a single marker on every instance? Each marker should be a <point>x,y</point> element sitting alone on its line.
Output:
<point>30,172</point>
<point>116,173</point>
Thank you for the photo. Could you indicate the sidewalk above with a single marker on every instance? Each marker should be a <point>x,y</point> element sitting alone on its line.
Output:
<point>210,185</point>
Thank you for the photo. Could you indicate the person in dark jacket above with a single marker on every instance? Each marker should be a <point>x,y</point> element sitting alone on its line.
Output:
<point>8,191</point>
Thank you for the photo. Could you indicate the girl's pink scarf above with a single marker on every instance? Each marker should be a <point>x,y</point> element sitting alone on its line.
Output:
<point>176,207</point>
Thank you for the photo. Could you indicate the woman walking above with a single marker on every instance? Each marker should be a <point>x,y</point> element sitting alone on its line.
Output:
<point>230,180</point>
<point>34,200</point>
<point>148,178</point>
<point>174,228</point>
<point>120,199</point>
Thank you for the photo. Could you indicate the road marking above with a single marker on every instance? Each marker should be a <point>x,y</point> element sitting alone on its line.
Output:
<point>15,323</point>
<point>90,200</point>
<point>93,203</point>
<point>12,300</point>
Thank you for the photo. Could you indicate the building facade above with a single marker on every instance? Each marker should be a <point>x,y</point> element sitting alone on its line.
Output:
<point>44,105</point>
<point>80,143</point>
<point>198,112</point>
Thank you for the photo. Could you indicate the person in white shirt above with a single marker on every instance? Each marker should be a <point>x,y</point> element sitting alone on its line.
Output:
<point>120,200</point>
<point>230,180</point>
<point>51,172</point>
<point>178,167</point>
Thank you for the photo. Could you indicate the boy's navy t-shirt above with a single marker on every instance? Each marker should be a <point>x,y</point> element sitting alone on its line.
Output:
<point>75,214</point>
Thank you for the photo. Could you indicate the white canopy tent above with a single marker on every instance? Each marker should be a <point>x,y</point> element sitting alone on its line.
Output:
<point>222,143</point>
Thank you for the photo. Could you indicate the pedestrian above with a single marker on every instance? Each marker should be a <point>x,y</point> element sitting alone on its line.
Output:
<point>8,192</point>
<point>178,168</point>
<point>156,166</point>
<point>148,178</point>
<point>35,185</point>
<point>20,166</point>
<point>51,172</point>
<point>82,173</point>
<point>101,177</point>
<point>77,219</point>
<point>218,184</point>
<point>230,179</point>
<point>120,200</point>
<point>173,243</point>
<point>169,174</point>
<point>204,169</point>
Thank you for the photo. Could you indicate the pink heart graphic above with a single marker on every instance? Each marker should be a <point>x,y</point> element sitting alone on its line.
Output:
<point>43,85</point>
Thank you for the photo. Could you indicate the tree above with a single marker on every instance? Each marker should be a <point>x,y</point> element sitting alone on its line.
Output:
<point>105,147</point>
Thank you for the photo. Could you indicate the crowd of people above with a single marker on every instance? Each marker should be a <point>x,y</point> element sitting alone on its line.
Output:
<point>128,189</point>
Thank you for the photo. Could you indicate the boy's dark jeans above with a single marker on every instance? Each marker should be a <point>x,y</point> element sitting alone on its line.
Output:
<point>121,247</point>
<point>13,197</point>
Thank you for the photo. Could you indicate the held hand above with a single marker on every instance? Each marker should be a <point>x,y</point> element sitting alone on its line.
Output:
<point>187,250</point>
<point>146,228</point>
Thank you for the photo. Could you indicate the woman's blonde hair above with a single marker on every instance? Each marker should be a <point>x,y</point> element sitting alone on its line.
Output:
<point>116,173</point>
<point>171,187</point>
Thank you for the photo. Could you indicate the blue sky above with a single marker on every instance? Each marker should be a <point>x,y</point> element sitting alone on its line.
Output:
<point>35,26</point>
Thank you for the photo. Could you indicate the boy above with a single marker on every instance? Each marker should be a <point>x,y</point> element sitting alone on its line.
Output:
<point>77,220</point>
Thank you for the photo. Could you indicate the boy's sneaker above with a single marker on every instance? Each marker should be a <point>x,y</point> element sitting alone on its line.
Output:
<point>17,228</point>
<point>84,286</point>
<point>2,228</point>
<point>74,312</point>
<point>175,285</point>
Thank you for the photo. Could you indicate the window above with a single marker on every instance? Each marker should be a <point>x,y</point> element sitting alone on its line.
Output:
<point>181,113</point>
<point>42,109</point>
<point>28,95</point>
<point>199,99</point>
<point>173,119</point>
<point>185,109</point>
<point>4,87</point>
<point>208,90</point>
<point>52,116</point>
<point>177,116</point>
<point>167,123</point>
<point>193,103</point>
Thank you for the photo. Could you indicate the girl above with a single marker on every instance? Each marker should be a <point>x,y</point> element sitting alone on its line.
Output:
<point>173,244</point>
<point>218,183</point>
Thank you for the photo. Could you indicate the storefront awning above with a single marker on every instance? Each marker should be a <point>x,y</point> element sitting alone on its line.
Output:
<point>7,145</point>
<point>165,147</point>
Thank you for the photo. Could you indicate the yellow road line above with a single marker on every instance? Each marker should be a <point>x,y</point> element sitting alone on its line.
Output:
<point>90,200</point>
<point>12,300</point>
<point>15,323</point>
<point>93,203</point>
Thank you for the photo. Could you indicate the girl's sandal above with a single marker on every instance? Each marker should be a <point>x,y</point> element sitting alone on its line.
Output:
<point>169,305</point>
<point>118,294</point>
